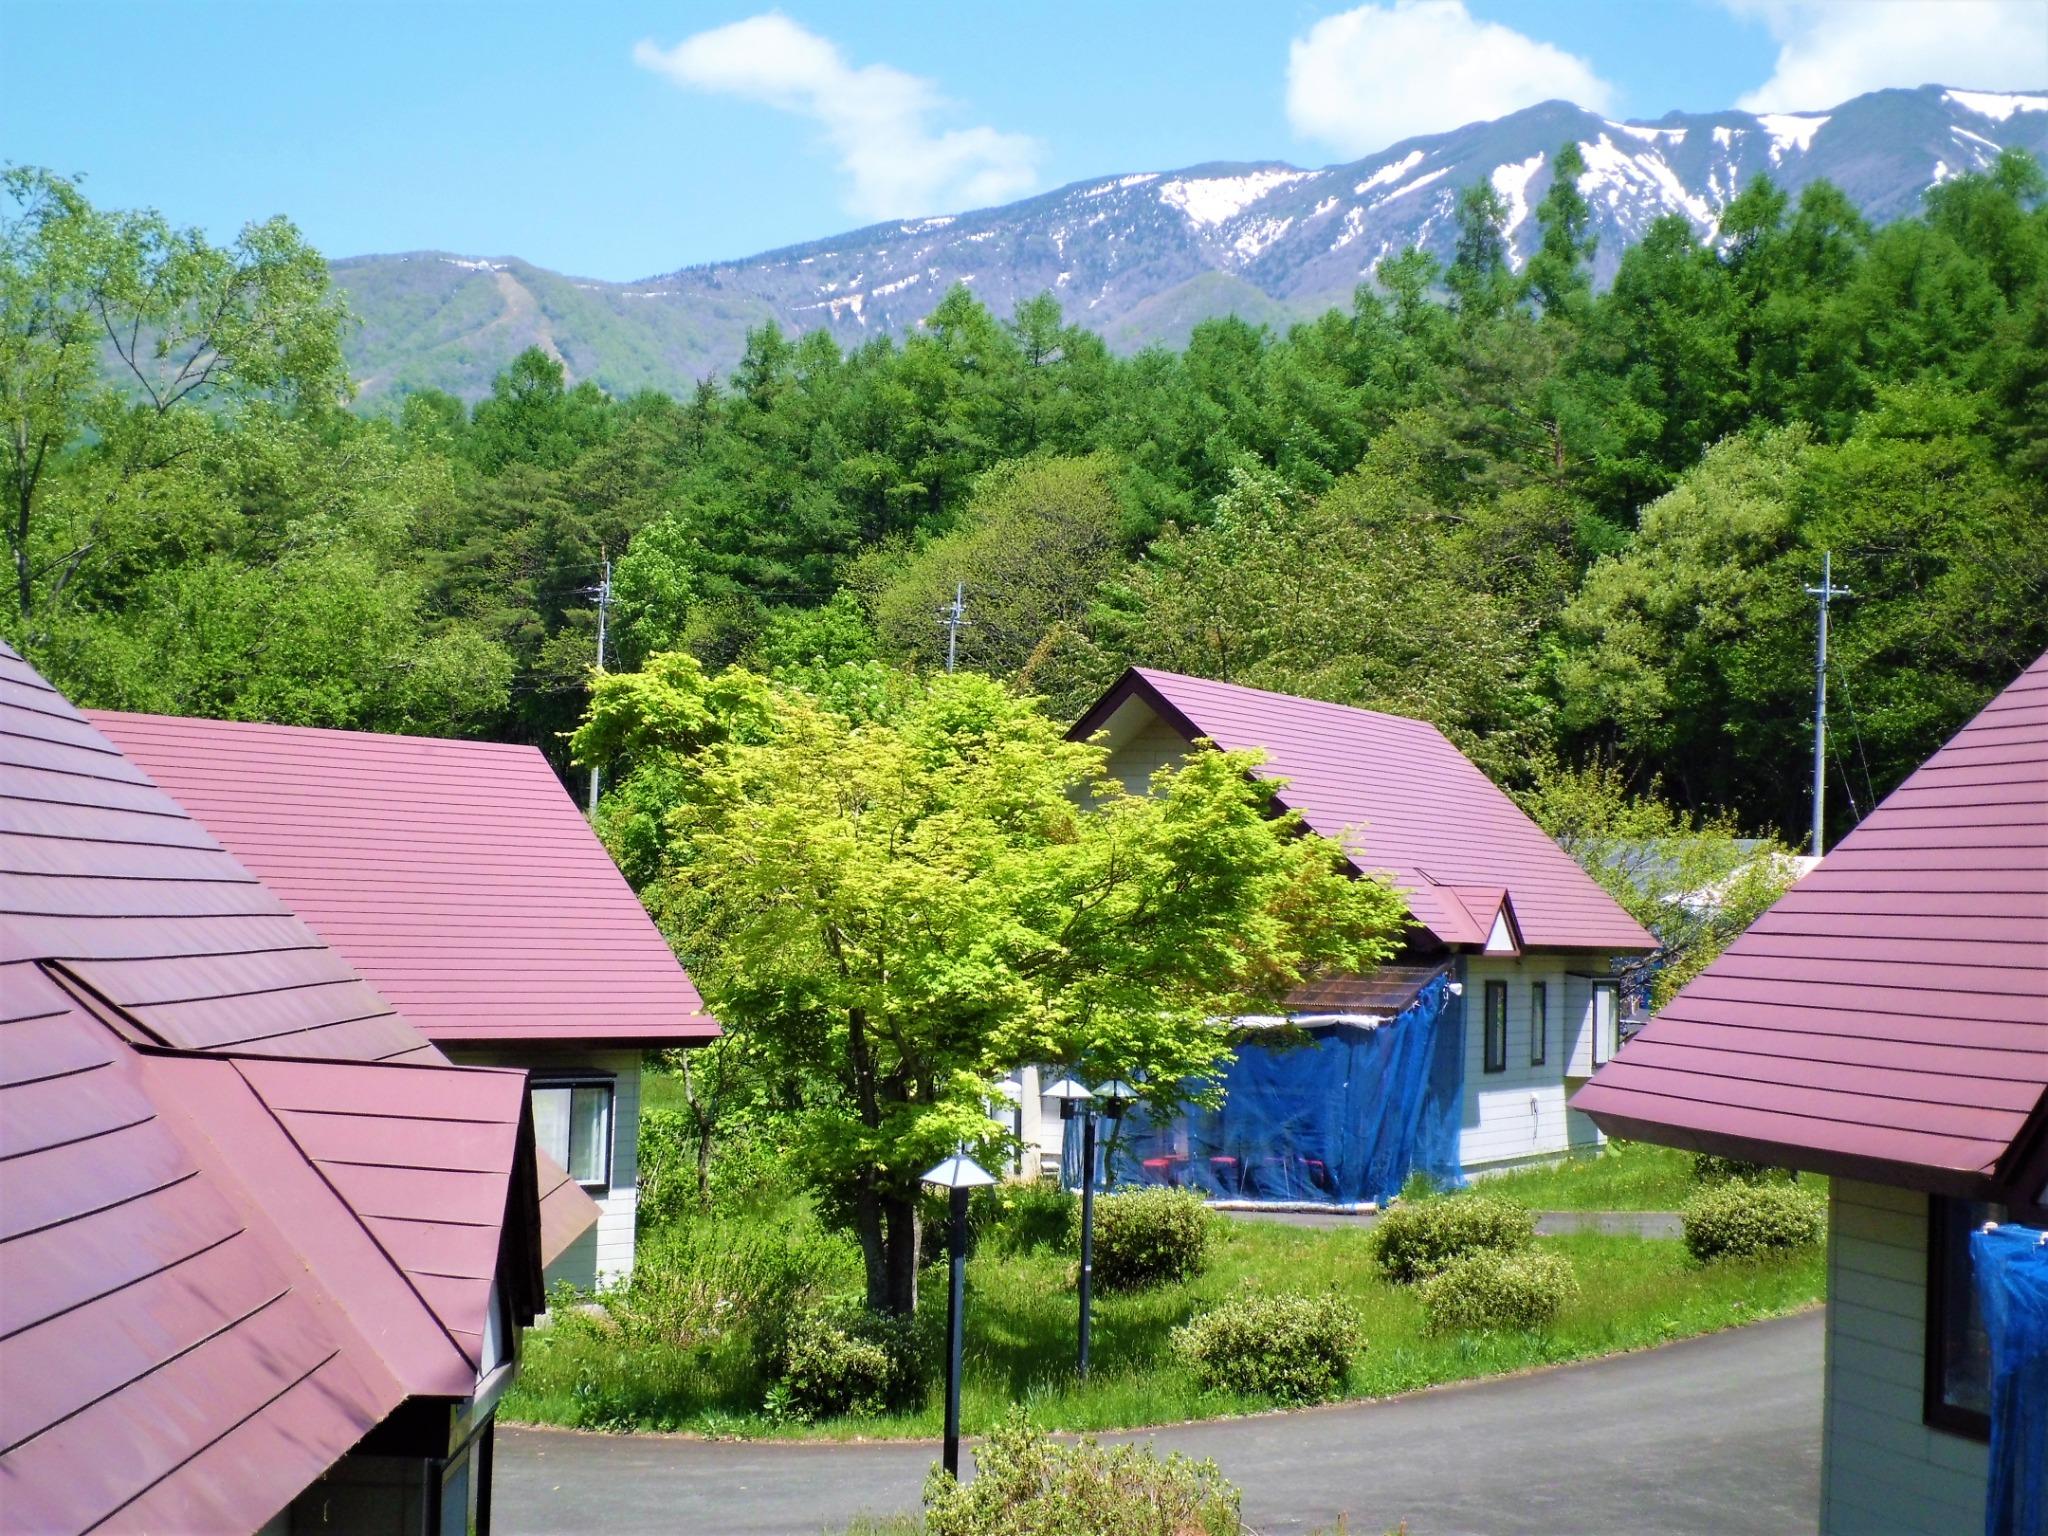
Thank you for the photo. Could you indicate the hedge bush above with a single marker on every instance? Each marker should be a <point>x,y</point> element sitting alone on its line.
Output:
<point>1294,1348</point>
<point>1026,1484</point>
<point>1413,1242</point>
<point>1495,1292</point>
<point>1708,1168</point>
<point>838,1357</point>
<point>1743,1221</point>
<point>1146,1237</point>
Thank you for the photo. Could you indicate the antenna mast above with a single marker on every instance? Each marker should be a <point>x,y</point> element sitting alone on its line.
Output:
<point>1826,591</point>
<point>954,617</point>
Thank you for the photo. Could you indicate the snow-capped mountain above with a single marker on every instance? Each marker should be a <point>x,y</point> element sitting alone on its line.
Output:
<point>1143,257</point>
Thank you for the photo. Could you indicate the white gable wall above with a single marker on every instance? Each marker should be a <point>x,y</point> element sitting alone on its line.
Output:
<point>1882,1469</point>
<point>1519,1115</point>
<point>1154,745</point>
<point>603,1255</point>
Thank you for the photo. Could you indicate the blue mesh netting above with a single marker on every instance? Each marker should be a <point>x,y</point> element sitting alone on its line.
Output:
<point>2011,1266</point>
<point>1339,1117</point>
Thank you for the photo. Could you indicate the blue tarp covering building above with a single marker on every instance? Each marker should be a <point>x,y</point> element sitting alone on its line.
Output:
<point>2011,1267</point>
<point>1336,1112</point>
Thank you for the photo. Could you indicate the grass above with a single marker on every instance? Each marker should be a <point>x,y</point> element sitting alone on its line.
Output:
<point>1021,1322</point>
<point>1622,1176</point>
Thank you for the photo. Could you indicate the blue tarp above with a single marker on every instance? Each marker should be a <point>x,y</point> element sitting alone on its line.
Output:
<point>2011,1267</point>
<point>1336,1114</point>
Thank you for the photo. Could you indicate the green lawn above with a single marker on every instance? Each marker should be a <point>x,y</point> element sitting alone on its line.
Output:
<point>1622,1176</point>
<point>1021,1318</point>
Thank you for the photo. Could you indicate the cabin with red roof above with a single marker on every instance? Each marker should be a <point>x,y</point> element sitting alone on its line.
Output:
<point>264,1251</point>
<point>463,882</point>
<point>1886,1023</point>
<point>1527,941</point>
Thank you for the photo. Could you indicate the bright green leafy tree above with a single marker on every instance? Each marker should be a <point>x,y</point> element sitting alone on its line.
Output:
<point>902,892</point>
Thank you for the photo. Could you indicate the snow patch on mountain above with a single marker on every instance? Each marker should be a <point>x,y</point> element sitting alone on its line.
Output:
<point>1122,183</point>
<point>1789,130</point>
<point>1511,181</point>
<point>475,266</point>
<point>1996,105</point>
<point>1258,237</point>
<point>1414,186</point>
<point>1649,135</point>
<point>1392,171</point>
<point>1613,171</point>
<point>1210,200</point>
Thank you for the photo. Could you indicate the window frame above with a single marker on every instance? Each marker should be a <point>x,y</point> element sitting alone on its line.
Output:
<point>1539,1023</point>
<point>1605,1043</point>
<point>1494,1047</point>
<point>570,1082</point>
<point>1936,1411</point>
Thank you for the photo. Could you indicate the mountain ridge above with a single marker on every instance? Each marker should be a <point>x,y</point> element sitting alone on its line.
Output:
<point>1144,256</point>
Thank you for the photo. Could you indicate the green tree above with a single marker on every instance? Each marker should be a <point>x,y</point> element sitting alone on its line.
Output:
<point>1693,880</point>
<point>1038,538</point>
<point>1556,275</point>
<point>112,323</point>
<point>898,908</point>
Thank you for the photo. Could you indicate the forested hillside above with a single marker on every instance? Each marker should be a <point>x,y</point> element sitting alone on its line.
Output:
<point>1563,524</point>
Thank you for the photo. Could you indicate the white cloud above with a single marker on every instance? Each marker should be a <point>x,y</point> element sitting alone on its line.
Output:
<point>1830,50</point>
<point>1365,78</point>
<point>878,120</point>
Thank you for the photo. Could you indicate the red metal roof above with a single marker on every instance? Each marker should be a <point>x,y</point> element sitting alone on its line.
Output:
<point>1888,1018</point>
<point>457,876</point>
<point>225,1254</point>
<point>1404,799</point>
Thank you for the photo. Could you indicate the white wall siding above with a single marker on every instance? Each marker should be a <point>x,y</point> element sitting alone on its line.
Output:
<point>604,1254</point>
<point>1155,745</point>
<point>1882,1469</point>
<point>1519,1115</point>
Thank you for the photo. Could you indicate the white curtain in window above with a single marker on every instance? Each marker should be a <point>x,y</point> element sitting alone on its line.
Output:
<point>551,1123</point>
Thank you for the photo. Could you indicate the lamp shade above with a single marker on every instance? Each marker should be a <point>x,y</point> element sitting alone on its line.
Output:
<point>1070,1094</point>
<point>1116,1094</point>
<point>958,1172</point>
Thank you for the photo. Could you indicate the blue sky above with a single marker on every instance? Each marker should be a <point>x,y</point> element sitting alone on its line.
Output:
<point>621,140</point>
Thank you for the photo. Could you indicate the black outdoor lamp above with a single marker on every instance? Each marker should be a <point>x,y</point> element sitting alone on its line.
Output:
<point>957,1175</point>
<point>1115,1096</point>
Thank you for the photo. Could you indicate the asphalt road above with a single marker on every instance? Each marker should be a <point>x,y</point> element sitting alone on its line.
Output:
<point>1718,1436</point>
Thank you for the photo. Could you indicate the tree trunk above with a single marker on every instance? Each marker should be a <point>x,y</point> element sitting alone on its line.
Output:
<point>888,1226</point>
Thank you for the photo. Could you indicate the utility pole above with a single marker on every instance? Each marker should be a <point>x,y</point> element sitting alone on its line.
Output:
<point>954,617</point>
<point>1826,592</point>
<point>603,593</point>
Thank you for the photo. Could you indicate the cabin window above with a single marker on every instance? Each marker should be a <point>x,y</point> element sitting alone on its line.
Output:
<point>1958,1347</point>
<point>1606,1019</point>
<point>1496,1026</point>
<point>1539,1023</point>
<point>572,1123</point>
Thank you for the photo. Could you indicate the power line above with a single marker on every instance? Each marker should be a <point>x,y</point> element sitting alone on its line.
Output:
<point>603,593</point>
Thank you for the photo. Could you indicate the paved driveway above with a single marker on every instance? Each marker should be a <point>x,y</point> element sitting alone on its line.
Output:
<point>1711,1437</point>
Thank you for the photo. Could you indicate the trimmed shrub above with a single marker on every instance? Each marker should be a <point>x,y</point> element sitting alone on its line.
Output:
<point>1413,1242</point>
<point>1294,1348</point>
<point>1146,1237</point>
<point>1496,1292</point>
<point>1707,1168</point>
<point>1744,1221</point>
<point>838,1357</point>
<point>1026,1484</point>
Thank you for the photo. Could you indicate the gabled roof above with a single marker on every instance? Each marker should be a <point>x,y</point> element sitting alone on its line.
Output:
<point>457,876</point>
<point>1404,799</point>
<point>206,1297</point>
<point>1888,1018</point>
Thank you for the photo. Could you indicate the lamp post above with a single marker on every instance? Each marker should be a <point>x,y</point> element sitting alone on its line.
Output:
<point>957,1175</point>
<point>1115,1096</point>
